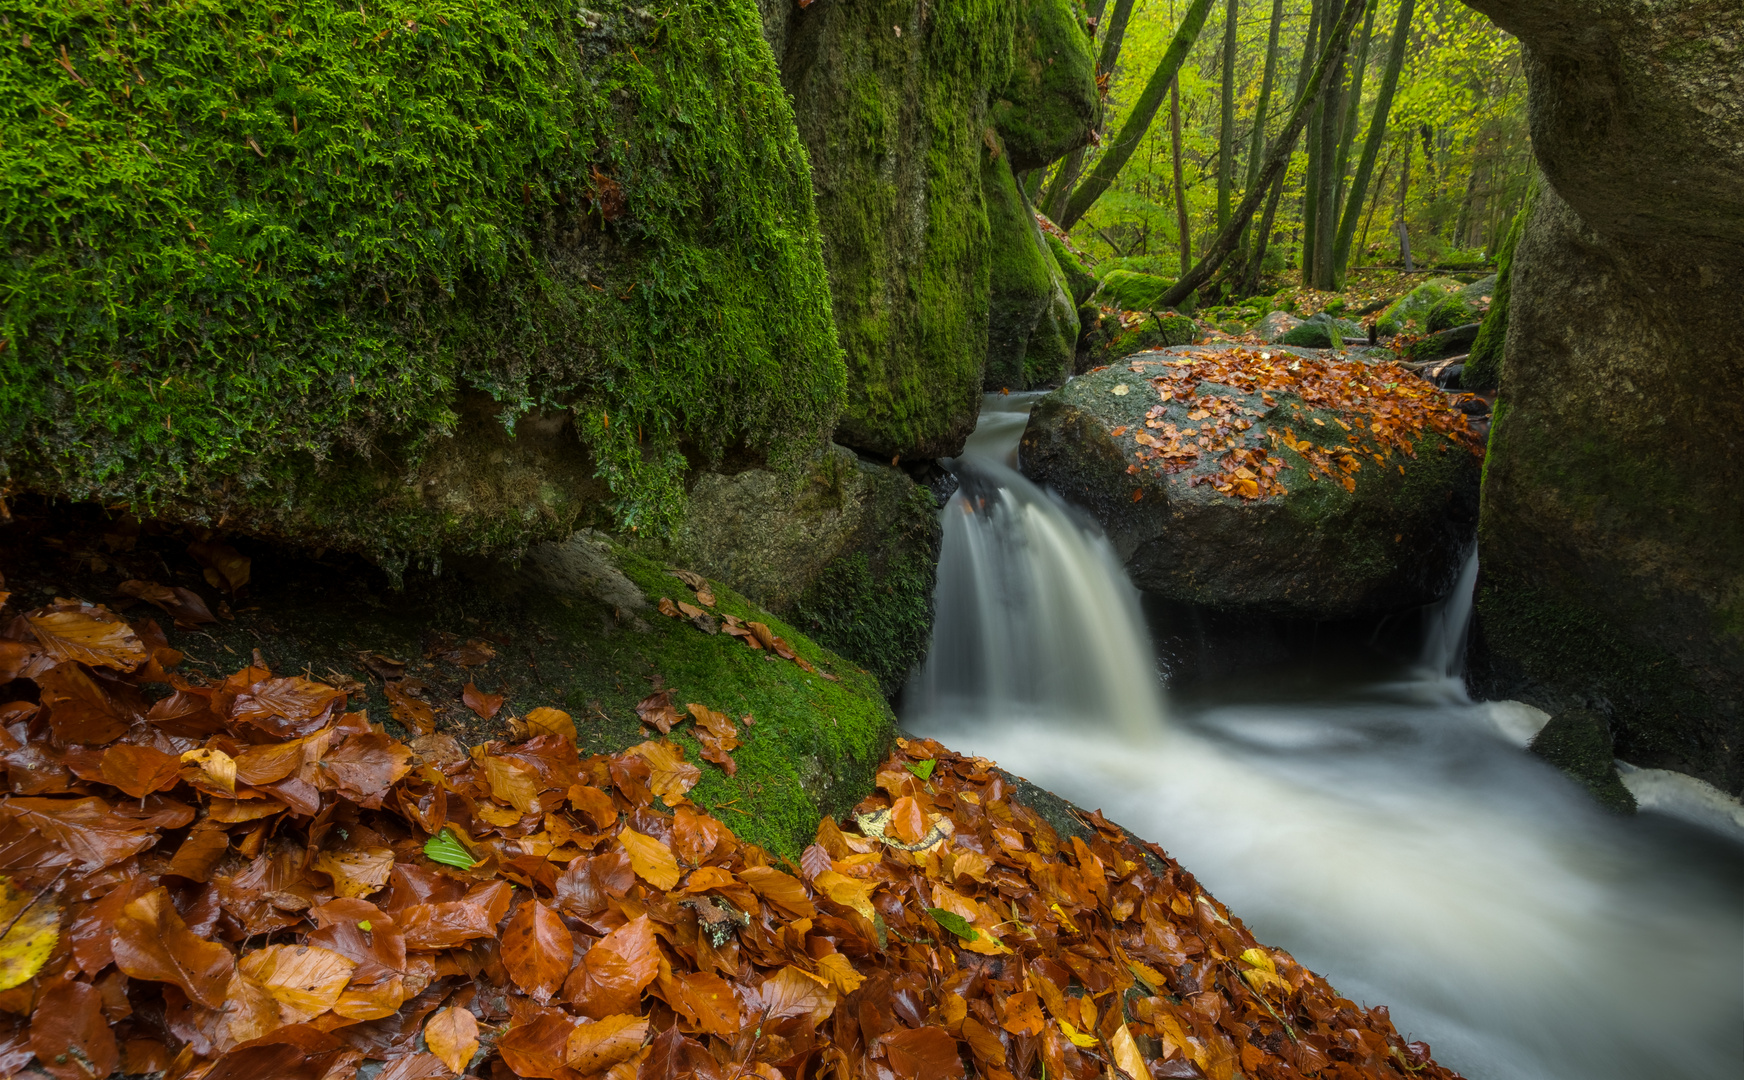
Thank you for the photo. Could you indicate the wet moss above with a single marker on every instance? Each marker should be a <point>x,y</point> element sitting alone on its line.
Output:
<point>1578,741</point>
<point>261,256</point>
<point>1032,329</point>
<point>1049,105</point>
<point>1131,290</point>
<point>1081,281</point>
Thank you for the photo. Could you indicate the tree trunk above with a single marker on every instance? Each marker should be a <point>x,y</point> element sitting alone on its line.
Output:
<point>1180,183</point>
<point>1311,179</point>
<point>1144,110</point>
<point>1352,113</point>
<point>1257,142</point>
<point>1276,159</point>
<point>1263,238</point>
<point>1226,129</point>
<point>1066,177</point>
<point>1404,193</point>
<point>1372,146</point>
<point>1326,197</point>
<point>1375,203</point>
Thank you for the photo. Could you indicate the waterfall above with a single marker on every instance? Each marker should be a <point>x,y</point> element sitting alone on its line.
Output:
<point>1387,835</point>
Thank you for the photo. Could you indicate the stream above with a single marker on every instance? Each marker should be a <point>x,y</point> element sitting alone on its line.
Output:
<point>1358,810</point>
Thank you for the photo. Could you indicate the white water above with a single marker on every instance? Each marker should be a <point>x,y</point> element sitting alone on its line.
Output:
<point>1389,833</point>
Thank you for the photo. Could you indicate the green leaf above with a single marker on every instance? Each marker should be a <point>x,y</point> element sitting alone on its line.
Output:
<point>446,850</point>
<point>924,770</point>
<point>954,922</point>
<point>365,926</point>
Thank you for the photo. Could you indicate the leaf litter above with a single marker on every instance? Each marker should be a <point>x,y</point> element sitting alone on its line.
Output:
<point>267,884</point>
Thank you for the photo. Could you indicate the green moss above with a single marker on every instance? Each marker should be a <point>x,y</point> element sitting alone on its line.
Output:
<point>894,125</point>
<point>1130,290</point>
<point>1410,313</point>
<point>1159,265</point>
<point>248,242</point>
<point>1324,332</point>
<point>1483,369</point>
<point>1082,283</point>
<point>1032,325</point>
<point>1578,741</point>
<point>1049,105</point>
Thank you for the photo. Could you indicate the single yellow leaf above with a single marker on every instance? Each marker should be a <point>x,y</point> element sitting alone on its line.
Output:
<point>1077,1037</point>
<point>651,859</point>
<point>305,980</point>
<point>840,972</point>
<point>1126,1054</point>
<point>546,721</point>
<point>35,923</point>
<point>218,768</point>
<point>356,872</point>
<point>452,1035</point>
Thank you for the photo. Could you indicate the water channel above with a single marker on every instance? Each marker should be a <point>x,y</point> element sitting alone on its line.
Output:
<point>1350,802</point>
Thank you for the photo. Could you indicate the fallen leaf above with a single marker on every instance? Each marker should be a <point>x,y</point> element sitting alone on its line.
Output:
<point>215,767</point>
<point>595,1047</point>
<point>650,858</point>
<point>87,634</point>
<point>226,567</point>
<point>452,1035</point>
<point>656,709</point>
<point>140,770</point>
<point>486,706</point>
<point>152,942</point>
<point>305,980</point>
<point>70,1035</point>
<point>32,922</point>
<point>536,950</point>
<point>545,721</point>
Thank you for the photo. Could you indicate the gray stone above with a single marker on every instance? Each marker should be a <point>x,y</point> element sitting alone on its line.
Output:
<point>1274,326</point>
<point>1315,551</point>
<point>1317,332</point>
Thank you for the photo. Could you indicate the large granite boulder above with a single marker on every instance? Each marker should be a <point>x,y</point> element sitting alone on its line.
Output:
<point>1245,481</point>
<point>1050,103</point>
<point>1611,543</point>
<point>1032,325</point>
<point>281,286</point>
<point>1410,313</point>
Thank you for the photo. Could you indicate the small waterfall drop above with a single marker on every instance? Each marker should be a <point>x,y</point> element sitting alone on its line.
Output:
<point>1388,835</point>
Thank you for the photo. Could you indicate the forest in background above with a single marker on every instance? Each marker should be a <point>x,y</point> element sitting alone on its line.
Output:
<point>1449,171</point>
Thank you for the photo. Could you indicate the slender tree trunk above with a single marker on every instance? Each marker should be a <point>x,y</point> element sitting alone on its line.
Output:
<point>1276,159</point>
<point>1144,110</point>
<point>1372,145</point>
<point>1352,119</point>
<point>1257,142</point>
<point>1180,181</point>
<point>1326,197</point>
<point>1311,179</point>
<point>1375,203</point>
<point>1404,193</point>
<point>1066,177</point>
<point>1261,239</point>
<point>1226,129</point>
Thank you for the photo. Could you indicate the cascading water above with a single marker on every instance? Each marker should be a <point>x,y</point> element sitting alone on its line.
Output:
<point>1392,836</point>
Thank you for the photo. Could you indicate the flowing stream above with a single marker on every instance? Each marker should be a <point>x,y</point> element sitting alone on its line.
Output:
<point>1367,817</point>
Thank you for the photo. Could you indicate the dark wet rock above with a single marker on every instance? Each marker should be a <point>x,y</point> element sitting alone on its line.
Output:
<point>1442,345</point>
<point>1578,741</point>
<point>1317,551</point>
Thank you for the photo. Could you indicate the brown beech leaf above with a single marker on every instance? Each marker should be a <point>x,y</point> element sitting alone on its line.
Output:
<point>537,950</point>
<point>305,980</point>
<point>288,707</point>
<point>538,1046</point>
<point>183,605</point>
<point>709,1000</point>
<point>226,568</point>
<point>87,634</point>
<point>152,942</point>
<point>544,721</point>
<point>356,872</point>
<point>782,890</point>
<point>595,1047</point>
<point>926,1053</point>
<point>140,770</point>
<point>513,782</point>
<point>594,803</point>
<point>87,830</point>
<point>611,977</point>
<point>365,766</point>
<point>696,836</point>
<point>486,706</point>
<point>672,775</point>
<point>792,992</point>
<point>81,711</point>
<point>410,711</point>
<point>70,1035</point>
<point>452,1035</point>
<point>907,820</point>
<point>199,853</point>
<point>656,710</point>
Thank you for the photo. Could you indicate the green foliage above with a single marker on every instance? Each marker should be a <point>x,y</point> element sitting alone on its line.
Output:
<point>245,241</point>
<point>445,849</point>
<point>1410,313</point>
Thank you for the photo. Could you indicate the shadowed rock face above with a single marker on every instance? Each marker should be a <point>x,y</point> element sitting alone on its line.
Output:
<point>1612,532</point>
<point>1637,113</point>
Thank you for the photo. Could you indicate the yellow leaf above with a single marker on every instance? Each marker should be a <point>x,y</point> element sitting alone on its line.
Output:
<point>513,783</point>
<point>1079,1038</point>
<point>305,980</point>
<point>651,859</point>
<point>846,891</point>
<point>672,775</point>
<point>544,721</point>
<point>356,873</point>
<point>35,929</point>
<point>1126,1054</point>
<point>216,766</point>
<point>841,974</point>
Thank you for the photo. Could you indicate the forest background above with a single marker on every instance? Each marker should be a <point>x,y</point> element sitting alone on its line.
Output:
<point>1450,171</point>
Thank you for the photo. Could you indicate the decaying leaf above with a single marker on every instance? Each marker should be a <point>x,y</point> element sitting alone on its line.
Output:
<point>32,929</point>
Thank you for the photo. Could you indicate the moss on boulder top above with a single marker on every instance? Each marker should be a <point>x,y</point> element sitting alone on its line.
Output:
<point>1410,313</point>
<point>260,257</point>
<point>1132,290</point>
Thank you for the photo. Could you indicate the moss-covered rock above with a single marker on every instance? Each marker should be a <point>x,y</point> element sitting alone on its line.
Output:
<point>574,626</point>
<point>1049,105</point>
<point>1160,265</point>
<point>1469,305</point>
<point>1483,368</point>
<point>846,549</point>
<point>1612,553</point>
<point>1032,326</point>
<point>1323,331</point>
<point>1082,283</point>
<point>1130,290</point>
<point>1410,313</point>
<point>1578,741</point>
<point>1112,341</point>
<point>1316,550</point>
<point>281,266</point>
<point>894,125</point>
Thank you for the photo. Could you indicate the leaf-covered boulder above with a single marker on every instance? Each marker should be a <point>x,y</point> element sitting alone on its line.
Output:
<point>1273,482</point>
<point>1032,324</point>
<point>1132,290</point>
<point>1410,313</point>
<point>403,279</point>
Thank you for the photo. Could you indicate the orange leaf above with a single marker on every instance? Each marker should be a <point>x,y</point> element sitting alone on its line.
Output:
<point>651,859</point>
<point>88,634</point>
<point>779,889</point>
<point>537,950</point>
<point>544,721</point>
<point>452,1035</point>
<point>152,942</point>
<point>907,820</point>
<point>481,703</point>
<point>140,770</point>
<point>600,1045</point>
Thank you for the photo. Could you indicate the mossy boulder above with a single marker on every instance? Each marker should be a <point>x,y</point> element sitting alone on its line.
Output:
<point>894,124</point>
<point>1032,328</point>
<point>1113,340</point>
<point>1316,550</point>
<point>1483,369</point>
<point>846,549</point>
<point>1050,104</point>
<point>1469,305</point>
<point>1578,741</point>
<point>1410,313</point>
<point>574,627</point>
<point>1323,331</point>
<point>1275,325</point>
<point>1159,265</point>
<point>1131,290</point>
<point>404,280</point>
<point>1082,283</point>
